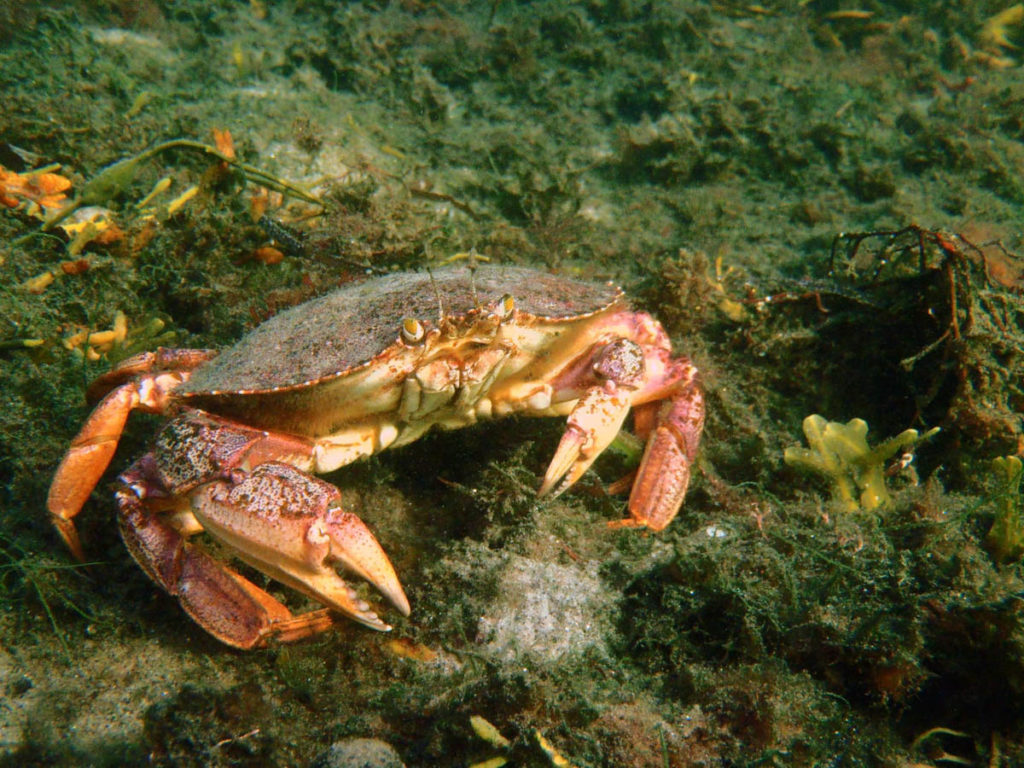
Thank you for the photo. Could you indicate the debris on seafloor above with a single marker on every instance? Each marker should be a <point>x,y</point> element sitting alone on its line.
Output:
<point>493,762</point>
<point>116,177</point>
<point>33,190</point>
<point>119,341</point>
<point>84,219</point>
<point>994,32</point>
<point>410,649</point>
<point>856,471</point>
<point>489,733</point>
<point>553,754</point>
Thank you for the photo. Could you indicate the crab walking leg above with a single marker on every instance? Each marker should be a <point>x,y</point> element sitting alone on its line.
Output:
<point>644,417</point>
<point>225,604</point>
<point>670,415</point>
<point>290,526</point>
<point>144,382</point>
<point>85,462</point>
<point>664,472</point>
<point>93,448</point>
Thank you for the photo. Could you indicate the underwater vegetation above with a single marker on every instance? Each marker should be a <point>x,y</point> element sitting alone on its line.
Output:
<point>855,470</point>
<point>821,205</point>
<point>1005,539</point>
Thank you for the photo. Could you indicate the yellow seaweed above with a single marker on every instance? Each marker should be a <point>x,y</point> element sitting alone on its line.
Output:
<point>840,453</point>
<point>994,30</point>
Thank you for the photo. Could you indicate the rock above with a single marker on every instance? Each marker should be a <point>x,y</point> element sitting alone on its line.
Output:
<point>359,753</point>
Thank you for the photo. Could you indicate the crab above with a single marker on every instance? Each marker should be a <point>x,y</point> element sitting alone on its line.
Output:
<point>369,366</point>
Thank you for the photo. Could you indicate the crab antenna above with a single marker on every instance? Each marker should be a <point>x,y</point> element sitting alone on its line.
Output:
<point>473,258</point>
<point>437,295</point>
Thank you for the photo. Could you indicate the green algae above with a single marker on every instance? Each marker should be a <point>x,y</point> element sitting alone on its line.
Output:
<point>1005,539</point>
<point>634,142</point>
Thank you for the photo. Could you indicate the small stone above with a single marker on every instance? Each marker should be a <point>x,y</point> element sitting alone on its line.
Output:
<point>359,753</point>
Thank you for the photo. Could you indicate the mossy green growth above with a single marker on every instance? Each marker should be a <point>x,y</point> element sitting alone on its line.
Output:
<point>1005,539</point>
<point>841,453</point>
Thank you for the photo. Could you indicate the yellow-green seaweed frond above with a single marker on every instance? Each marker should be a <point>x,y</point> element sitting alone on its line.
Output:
<point>840,452</point>
<point>1005,539</point>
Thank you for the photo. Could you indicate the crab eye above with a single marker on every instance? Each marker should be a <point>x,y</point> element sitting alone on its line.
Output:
<point>412,331</point>
<point>505,306</point>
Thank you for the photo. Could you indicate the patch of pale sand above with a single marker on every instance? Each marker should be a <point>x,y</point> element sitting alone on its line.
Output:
<point>546,611</point>
<point>137,44</point>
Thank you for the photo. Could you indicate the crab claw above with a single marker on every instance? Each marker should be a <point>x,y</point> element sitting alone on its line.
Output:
<point>592,425</point>
<point>290,526</point>
<point>357,549</point>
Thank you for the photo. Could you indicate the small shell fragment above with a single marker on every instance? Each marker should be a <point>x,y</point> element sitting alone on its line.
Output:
<point>494,762</point>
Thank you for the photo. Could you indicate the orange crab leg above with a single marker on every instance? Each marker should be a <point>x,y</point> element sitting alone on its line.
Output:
<point>124,389</point>
<point>664,471</point>
<point>670,415</point>
<point>86,460</point>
